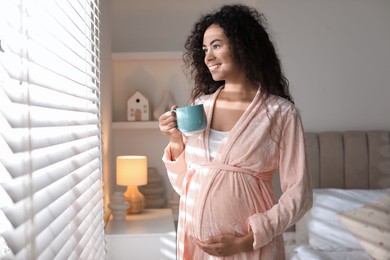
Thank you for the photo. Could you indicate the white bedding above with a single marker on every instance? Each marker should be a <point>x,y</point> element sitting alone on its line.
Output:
<point>305,252</point>
<point>299,251</point>
<point>320,235</point>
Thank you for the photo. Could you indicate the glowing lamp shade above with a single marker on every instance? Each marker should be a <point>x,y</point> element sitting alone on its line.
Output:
<point>132,171</point>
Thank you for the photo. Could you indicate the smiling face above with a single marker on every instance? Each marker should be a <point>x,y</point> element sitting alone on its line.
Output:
<point>218,56</point>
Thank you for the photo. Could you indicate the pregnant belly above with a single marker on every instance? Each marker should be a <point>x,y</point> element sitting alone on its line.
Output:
<point>228,202</point>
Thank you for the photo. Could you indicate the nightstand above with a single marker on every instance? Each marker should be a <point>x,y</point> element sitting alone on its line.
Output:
<point>148,235</point>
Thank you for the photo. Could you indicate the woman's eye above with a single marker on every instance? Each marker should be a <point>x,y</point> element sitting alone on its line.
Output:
<point>205,50</point>
<point>215,47</point>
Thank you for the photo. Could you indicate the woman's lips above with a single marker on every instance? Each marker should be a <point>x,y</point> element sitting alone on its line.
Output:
<point>214,67</point>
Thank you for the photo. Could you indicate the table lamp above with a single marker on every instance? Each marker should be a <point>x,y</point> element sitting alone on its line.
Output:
<point>131,171</point>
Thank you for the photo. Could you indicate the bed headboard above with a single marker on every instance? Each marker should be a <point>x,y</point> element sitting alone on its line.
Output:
<point>348,160</point>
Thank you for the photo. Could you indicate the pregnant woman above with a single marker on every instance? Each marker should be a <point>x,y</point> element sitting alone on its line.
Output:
<point>224,174</point>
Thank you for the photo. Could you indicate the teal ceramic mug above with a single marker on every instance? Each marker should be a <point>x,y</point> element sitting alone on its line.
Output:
<point>191,119</point>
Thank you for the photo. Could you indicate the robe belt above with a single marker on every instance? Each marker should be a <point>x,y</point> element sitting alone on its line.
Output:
<point>264,176</point>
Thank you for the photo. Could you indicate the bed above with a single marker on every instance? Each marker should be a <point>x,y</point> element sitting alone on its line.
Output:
<point>350,217</point>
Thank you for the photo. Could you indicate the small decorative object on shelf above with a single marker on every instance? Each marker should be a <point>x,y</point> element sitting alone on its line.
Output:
<point>166,103</point>
<point>154,191</point>
<point>118,206</point>
<point>138,107</point>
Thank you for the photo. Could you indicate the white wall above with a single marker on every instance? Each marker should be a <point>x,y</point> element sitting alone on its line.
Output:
<point>334,52</point>
<point>156,25</point>
<point>336,55</point>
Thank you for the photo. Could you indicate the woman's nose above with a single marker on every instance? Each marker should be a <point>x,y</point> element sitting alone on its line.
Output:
<point>209,55</point>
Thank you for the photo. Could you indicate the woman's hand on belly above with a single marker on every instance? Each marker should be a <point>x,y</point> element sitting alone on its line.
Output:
<point>227,244</point>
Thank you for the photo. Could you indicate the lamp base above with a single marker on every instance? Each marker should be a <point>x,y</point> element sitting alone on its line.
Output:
<point>135,198</point>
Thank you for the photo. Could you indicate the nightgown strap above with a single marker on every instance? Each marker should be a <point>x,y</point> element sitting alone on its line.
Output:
<point>264,176</point>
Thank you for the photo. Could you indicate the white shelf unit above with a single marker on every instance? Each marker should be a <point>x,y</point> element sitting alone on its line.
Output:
<point>151,73</point>
<point>148,235</point>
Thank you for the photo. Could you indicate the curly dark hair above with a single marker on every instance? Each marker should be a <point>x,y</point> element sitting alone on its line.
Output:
<point>251,47</point>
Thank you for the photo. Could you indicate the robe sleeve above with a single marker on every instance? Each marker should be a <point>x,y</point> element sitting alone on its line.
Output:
<point>295,181</point>
<point>176,170</point>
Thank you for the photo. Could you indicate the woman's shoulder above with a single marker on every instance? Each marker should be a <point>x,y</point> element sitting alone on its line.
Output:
<point>280,104</point>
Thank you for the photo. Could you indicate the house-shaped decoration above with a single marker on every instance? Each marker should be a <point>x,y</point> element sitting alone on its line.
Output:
<point>138,108</point>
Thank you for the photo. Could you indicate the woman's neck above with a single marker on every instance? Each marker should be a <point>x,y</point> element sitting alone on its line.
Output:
<point>239,91</point>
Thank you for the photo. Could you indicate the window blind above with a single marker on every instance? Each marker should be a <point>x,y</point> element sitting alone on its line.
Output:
<point>51,199</point>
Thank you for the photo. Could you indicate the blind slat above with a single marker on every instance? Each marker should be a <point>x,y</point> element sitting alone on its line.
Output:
<point>75,233</point>
<point>31,116</point>
<point>39,181</point>
<point>85,246</point>
<point>50,135</point>
<point>51,80</point>
<point>41,96</point>
<point>45,136</point>
<point>46,199</point>
<point>68,207</point>
<point>68,22</point>
<point>16,163</point>
<point>89,199</point>
<point>62,239</point>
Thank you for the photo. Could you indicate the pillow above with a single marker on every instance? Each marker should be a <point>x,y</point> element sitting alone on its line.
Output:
<point>370,225</point>
<point>325,232</point>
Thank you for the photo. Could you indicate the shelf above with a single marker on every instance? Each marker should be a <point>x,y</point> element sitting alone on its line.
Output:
<point>146,55</point>
<point>150,234</point>
<point>135,125</point>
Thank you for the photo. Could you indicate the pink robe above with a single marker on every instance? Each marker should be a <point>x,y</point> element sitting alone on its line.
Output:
<point>233,193</point>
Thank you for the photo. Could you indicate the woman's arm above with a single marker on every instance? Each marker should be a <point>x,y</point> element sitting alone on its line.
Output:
<point>174,155</point>
<point>168,126</point>
<point>295,181</point>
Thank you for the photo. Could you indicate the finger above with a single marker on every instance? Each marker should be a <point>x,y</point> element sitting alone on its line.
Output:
<point>215,239</point>
<point>208,248</point>
<point>213,249</point>
<point>221,245</point>
<point>169,129</point>
<point>167,119</point>
<point>167,115</point>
